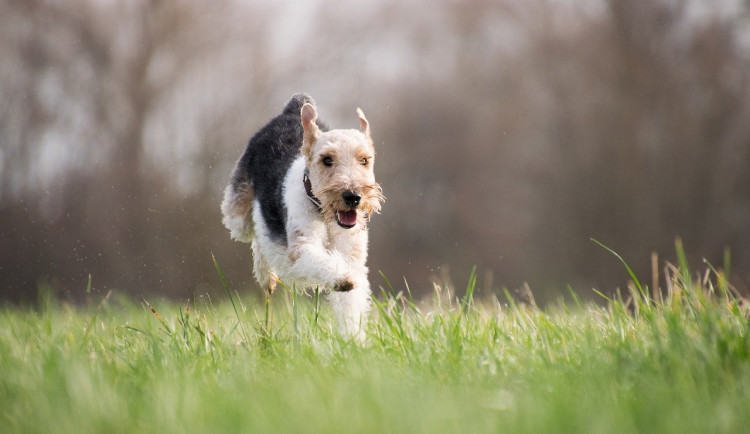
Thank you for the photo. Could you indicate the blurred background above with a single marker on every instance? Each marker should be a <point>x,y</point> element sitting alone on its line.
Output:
<point>508,133</point>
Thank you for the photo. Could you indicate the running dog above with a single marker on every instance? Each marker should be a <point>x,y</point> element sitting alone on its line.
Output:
<point>302,195</point>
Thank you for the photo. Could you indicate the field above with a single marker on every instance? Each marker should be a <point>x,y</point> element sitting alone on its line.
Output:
<point>678,361</point>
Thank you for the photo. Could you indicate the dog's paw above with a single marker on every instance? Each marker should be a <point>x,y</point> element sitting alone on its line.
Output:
<point>343,286</point>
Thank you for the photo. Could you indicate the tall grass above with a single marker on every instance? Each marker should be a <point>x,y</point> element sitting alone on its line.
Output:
<point>675,360</point>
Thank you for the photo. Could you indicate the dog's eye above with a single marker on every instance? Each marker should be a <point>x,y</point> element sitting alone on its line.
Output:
<point>327,161</point>
<point>364,161</point>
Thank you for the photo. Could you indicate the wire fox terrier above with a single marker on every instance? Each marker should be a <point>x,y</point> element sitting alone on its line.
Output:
<point>302,195</point>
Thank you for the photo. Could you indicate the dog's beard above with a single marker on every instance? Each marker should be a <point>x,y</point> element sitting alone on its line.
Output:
<point>335,210</point>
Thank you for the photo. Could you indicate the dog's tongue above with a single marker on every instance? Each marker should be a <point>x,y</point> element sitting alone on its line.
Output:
<point>348,218</point>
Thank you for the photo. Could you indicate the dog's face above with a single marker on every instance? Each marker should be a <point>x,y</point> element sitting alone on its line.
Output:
<point>340,165</point>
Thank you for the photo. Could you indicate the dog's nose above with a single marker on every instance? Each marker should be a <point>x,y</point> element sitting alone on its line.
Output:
<point>350,198</point>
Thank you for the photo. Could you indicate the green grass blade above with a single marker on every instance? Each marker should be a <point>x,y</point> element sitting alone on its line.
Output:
<point>225,284</point>
<point>468,299</point>
<point>630,271</point>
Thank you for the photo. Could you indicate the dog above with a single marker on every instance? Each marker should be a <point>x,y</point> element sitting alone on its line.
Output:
<point>302,195</point>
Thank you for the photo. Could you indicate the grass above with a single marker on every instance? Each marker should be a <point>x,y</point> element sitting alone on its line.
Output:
<point>642,362</point>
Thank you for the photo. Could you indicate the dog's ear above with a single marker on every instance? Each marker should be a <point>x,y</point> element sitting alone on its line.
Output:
<point>309,116</point>
<point>364,126</point>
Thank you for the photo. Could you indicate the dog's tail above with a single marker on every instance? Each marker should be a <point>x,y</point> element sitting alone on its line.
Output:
<point>294,106</point>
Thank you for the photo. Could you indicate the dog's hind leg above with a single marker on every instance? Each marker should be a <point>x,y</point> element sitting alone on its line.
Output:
<point>236,208</point>
<point>267,279</point>
<point>264,274</point>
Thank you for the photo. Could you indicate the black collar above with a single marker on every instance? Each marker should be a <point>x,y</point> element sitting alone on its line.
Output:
<point>310,195</point>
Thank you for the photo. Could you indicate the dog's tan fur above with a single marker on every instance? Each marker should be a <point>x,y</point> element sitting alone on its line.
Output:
<point>353,158</point>
<point>308,222</point>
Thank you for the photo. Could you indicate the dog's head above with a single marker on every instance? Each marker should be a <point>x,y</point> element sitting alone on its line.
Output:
<point>340,165</point>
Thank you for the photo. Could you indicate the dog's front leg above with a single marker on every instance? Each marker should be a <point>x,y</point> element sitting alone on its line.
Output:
<point>340,269</point>
<point>311,261</point>
<point>351,307</point>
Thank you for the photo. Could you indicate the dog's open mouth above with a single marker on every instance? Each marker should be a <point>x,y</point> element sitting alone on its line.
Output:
<point>346,219</point>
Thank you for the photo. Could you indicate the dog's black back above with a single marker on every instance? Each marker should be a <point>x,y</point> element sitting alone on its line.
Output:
<point>268,157</point>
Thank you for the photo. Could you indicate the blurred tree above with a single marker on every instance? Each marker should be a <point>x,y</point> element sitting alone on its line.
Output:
<point>508,133</point>
<point>87,194</point>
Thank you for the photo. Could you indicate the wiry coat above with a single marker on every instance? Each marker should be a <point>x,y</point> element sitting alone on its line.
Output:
<point>294,239</point>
